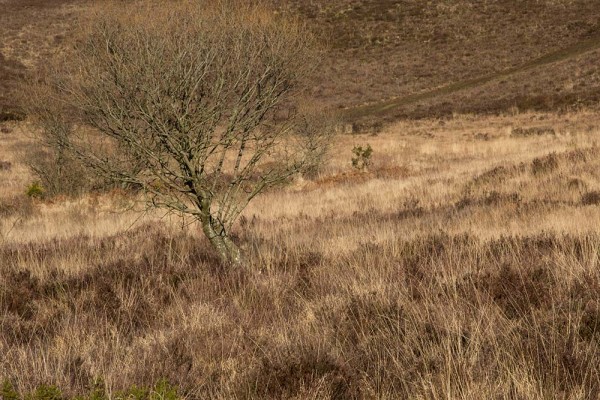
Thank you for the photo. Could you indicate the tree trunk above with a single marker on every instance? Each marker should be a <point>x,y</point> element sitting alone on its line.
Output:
<point>229,253</point>
<point>236,256</point>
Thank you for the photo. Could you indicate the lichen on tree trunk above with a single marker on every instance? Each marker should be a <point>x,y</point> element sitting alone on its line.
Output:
<point>228,252</point>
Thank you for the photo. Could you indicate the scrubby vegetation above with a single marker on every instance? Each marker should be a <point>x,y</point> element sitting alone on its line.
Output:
<point>463,263</point>
<point>453,268</point>
<point>161,391</point>
<point>438,316</point>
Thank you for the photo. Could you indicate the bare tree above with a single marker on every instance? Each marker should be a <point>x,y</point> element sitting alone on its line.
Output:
<point>191,101</point>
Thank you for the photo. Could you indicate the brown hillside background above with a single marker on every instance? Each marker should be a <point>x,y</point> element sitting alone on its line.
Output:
<point>532,54</point>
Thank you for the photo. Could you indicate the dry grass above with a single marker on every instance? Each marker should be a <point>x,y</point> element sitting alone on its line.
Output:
<point>462,265</point>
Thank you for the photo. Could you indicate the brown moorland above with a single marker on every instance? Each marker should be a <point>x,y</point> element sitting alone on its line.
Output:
<point>404,58</point>
<point>463,263</point>
<point>393,49</point>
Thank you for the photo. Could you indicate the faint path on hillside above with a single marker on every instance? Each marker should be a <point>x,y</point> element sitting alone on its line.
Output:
<point>382,107</point>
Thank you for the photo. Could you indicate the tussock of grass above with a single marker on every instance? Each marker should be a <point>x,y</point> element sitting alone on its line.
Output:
<point>5,165</point>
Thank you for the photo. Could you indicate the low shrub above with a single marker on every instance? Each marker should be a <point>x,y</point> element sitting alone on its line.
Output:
<point>18,205</point>
<point>533,131</point>
<point>162,390</point>
<point>35,190</point>
<point>59,174</point>
<point>5,165</point>
<point>543,165</point>
<point>11,116</point>
<point>590,198</point>
<point>362,157</point>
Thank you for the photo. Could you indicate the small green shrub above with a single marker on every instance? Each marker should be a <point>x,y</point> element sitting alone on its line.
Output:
<point>8,392</point>
<point>35,190</point>
<point>362,157</point>
<point>45,392</point>
<point>163,390</point>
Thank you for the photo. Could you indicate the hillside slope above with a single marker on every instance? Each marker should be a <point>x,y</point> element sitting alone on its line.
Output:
<point>30,32</point>
<point>390,49</point>
<point>383,52</point>
<point>565,78</point>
